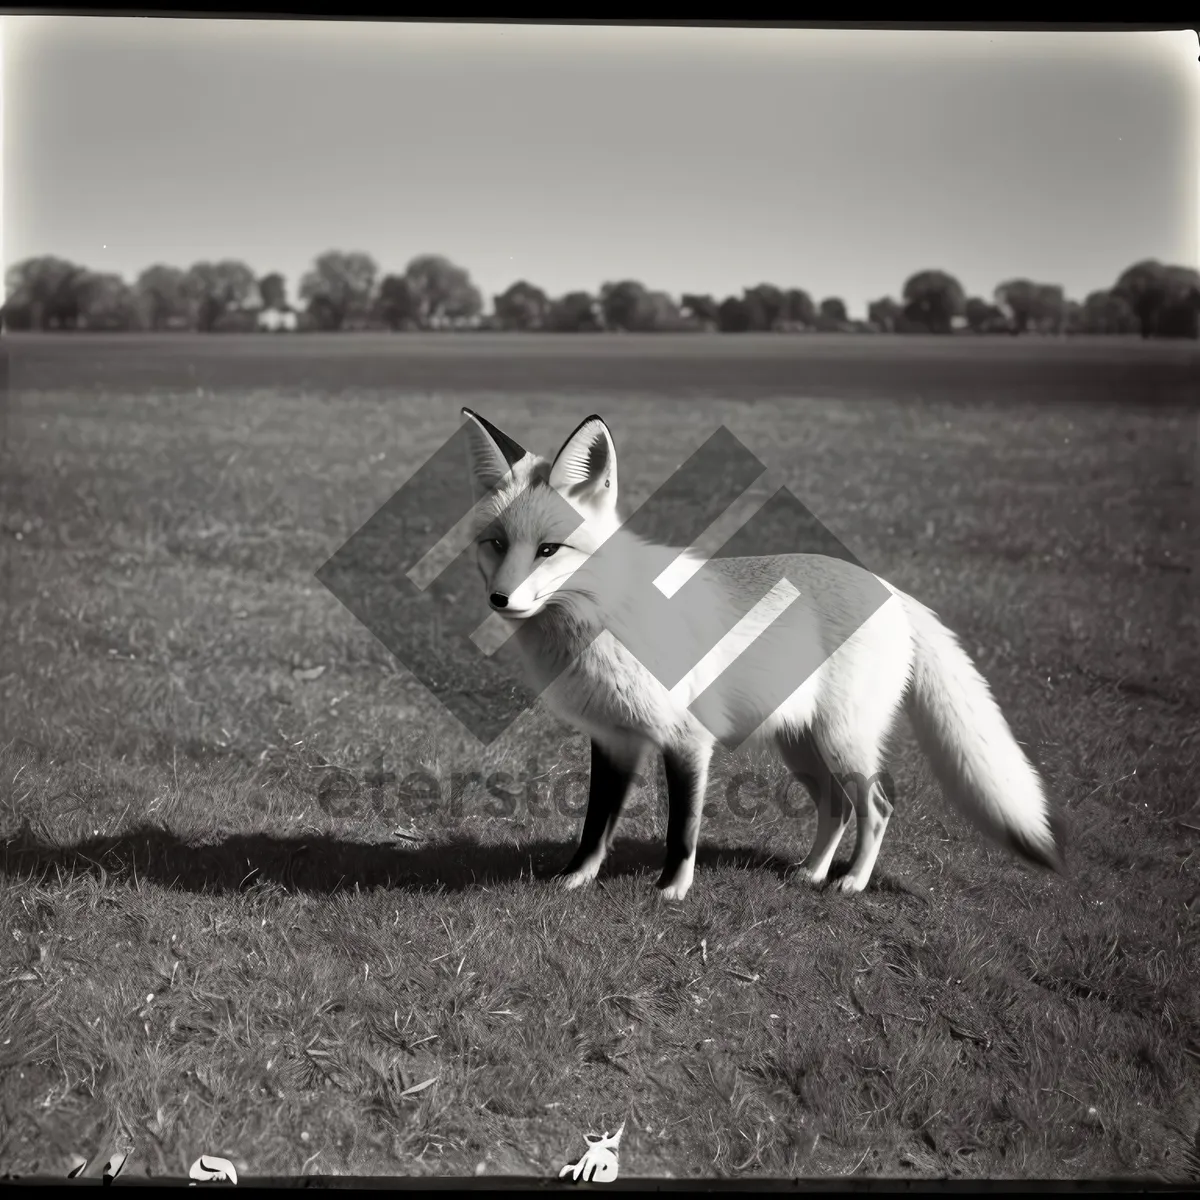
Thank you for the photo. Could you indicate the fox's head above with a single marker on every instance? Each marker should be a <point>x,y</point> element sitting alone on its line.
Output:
<point>540,520</point>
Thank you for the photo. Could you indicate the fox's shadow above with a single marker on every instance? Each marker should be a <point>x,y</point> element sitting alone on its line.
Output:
<point>321,865</point>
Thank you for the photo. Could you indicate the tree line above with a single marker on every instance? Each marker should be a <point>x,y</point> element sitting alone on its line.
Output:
<point>346,290</point>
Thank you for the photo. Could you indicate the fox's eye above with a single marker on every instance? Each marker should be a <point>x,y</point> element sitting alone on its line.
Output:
<point>496,544</point>
<point>547,549</point>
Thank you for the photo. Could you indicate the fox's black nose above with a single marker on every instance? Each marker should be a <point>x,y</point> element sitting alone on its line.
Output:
<point>499,600</point>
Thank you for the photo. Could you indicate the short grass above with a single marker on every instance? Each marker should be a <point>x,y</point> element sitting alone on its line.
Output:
<point>229,926</point>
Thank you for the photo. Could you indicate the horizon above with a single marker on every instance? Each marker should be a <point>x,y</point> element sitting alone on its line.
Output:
<point>1068,156</point>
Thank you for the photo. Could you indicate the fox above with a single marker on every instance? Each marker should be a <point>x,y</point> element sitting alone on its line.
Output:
<point>564,576</point>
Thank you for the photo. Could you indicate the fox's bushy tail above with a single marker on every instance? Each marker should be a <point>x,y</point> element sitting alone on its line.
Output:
<point>974,755</point>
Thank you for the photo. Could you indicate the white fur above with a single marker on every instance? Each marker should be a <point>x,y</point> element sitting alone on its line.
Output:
<point>963,733</point>
<point>586,612</point>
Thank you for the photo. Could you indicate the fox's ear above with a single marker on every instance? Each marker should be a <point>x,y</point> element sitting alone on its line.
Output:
<point>491,453</point>
<point>585,469</point>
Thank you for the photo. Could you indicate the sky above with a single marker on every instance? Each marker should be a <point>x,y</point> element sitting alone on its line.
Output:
<point>692,159</point>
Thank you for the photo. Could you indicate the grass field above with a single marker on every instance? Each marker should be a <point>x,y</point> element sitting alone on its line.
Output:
<point>227,927</point>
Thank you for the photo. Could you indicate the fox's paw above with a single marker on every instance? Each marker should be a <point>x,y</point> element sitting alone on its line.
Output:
<point>674,884</point>
<point>849,885</point>
<point>570,880</point>
<point>811,874</point>
<point>674,891</point>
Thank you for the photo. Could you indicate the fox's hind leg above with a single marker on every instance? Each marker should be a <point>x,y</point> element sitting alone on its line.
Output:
<point>804,760</point>
<point>860,690</point>
<point>613,770</point>
<point>687,778</point>
<point>872,796</point>
<point>856,777</point>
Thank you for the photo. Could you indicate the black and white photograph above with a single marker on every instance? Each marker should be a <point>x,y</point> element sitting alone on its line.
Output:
<point>596,603</point>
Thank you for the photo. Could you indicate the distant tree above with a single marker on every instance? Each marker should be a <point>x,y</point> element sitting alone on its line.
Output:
<point>441,291</point>
<point>798,308</point>
<point>463,307</point>
<point>1180,313</point>
<point>162,296</point>
<point>1180,317</point>
<point>1017,298</point>
<point>1029,305</point>
<point>832,316</point>
<point>44,292</point>
<point>624,304</point>
<point>108,302</point>
<point>1160,297</point>
<point>766,304</point>
<point>576,312</point>
<point>324,314</point>
<point>983,317</point>
<point>1072,317</point>
<point>630,307</point>
<point>1181,280</point>
<point>758,310</point>
<point>834,309</point>
<point>884,313</point>
<point>272,289</point>
<point>21,283</point>
<point>737,314</point>
<point>661,314</point>
<point>977,311</point>
<point>1049,308</point>
<point>701,308</point>
<point>16,315</point>
<point>522,306</point>
<point>1104,312</point>
<point>906,325</point>
<point>215,289</point>
<point>340,287</point>
<point>1144,288</point>
<point>395,305</point>
<point>933,299</point>
<point>67,304</point>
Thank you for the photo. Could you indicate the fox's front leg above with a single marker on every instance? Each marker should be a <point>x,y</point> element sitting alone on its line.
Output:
<point>612,775</point>
<point>687,778</point>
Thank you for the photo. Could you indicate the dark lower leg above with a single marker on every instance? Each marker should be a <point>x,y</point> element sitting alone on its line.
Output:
<point>607,790</point>
<point>687,777</point>
<point>804,759</point>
